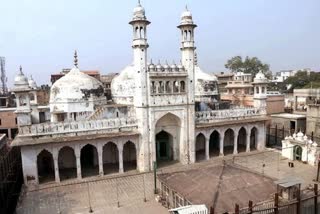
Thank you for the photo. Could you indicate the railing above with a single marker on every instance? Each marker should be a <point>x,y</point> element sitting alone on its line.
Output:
<point>78,126</point>
<point>228,114</point>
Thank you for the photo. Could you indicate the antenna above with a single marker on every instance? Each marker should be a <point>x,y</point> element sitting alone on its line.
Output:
<point>3,76</point>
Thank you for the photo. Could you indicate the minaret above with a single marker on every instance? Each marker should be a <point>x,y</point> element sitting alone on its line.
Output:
<point>140,45</point>
<point>188,61</point>
<point>188,50</point>
<point>260,84</point>
<point>21,90</point>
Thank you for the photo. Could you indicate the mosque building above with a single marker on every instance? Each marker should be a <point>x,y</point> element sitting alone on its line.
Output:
<point>159,113</point>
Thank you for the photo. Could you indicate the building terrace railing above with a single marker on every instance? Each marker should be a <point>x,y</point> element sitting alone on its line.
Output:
<point>111,125</point>
<point>229,114</point>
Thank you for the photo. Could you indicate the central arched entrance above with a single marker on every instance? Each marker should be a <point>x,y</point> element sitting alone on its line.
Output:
<point>297,153</point>
<point>89,161</point>
<point>45,167</point>
<point>167,139</point>
<point>164,146</point>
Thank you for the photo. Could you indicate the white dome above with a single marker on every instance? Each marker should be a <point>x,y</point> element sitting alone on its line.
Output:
<point>20,80</point>
<point>139,12</point>
<point>123,85</point>
<point>32,83</point>
<point>74,87</point>
<point>186,14</point>
<point>260,78</point>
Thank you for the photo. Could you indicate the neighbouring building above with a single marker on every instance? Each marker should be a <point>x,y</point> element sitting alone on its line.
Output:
<point>290,122</point>
<point>106,81</point>
<point>92,73</point>
<point>152,116</point>
<point>223,79</point>
<point>240,92</point>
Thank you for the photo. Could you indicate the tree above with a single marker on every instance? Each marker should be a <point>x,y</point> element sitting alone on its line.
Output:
<point>303,79</point>
<point>248,65</point>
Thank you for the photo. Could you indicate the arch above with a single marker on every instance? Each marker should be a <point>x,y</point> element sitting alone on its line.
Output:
<point>297,153</point>
<point>253,138</point>
<point>129,156</point>
<point>110,158</point>
<point>257,90</point>
<point>242,140</point>
<point>141,32</point>
<point>168,87</point>
<point>167,139</point>
<point>228,142</point>
<point>200,147</point>
<point>161,87</point>
<point>137,32</point>
<point>182,86</point>
<point>67,163</point>
<point>214,144</point>
<point>89,161</point>
<point>175,86</point>
<point>45,167</point>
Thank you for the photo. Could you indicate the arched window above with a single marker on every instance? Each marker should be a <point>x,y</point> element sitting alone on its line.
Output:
<point>160,87</point>
<point>168,87</point>
<point>137,32</point>
<point>182,86</point>
<point>175,86</point>
<point>257,90</point>
<point>263,90</point>
<point>141,32</point>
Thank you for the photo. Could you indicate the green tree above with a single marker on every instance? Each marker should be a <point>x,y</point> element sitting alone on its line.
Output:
<point>248,65</point>
<point>303,79</point>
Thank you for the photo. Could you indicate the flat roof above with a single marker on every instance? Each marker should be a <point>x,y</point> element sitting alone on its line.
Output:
<point>289,116</point>
<point>220,186</point>
<point>288,182</point>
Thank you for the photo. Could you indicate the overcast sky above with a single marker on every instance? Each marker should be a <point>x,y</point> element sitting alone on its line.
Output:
<point>42,35</point>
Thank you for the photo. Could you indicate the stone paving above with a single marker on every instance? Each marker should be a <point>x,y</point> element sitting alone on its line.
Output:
<point>73,197</point>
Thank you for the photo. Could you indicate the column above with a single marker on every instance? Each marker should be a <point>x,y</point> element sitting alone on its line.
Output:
<point>235,143</point>
<point>207,147</point>
<point>56,169</point>
<point>248,142</point>
<point>120,149</point>
<point>9,134</point>
<point>221,146</point>
<point>77,153</point>
<point>100,159</point>
<point>56,165</point>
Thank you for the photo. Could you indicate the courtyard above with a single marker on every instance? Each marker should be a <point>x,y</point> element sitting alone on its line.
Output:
<point>134,192</point>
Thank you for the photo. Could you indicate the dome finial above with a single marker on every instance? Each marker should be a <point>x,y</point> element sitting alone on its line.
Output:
<point>20,69</point>
<point>75,58</point>
<point>151,61</point>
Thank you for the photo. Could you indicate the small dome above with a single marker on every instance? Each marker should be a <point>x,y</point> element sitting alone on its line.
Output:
<point>174,67</point>
<point>159,66</point>
<point>32,83</point>
<point>139,12</point>
<point>21,80</point>
<point>186,14</point>
<point>151,66</point>
<point>166,66</point>
<point>180,67</point>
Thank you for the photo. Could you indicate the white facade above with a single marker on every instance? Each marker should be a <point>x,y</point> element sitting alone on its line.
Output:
<point>299,147</point>
<point>152,119</point>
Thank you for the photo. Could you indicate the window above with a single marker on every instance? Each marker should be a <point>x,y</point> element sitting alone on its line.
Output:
<point>182,86</point>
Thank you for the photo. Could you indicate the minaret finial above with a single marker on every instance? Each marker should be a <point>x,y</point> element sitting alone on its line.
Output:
<point>139,3</point>
<point>20,69</point>
<point>75,58</point>
<point>186,7</point>
<point>151,61</point>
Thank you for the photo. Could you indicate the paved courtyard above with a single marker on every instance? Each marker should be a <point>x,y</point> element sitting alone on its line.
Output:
<point>103,194</point>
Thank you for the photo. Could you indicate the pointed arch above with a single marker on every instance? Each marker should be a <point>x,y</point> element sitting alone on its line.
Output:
<point>45,166</point>
<point>200,147</point>
<point>67,163</point>
<point>228,141</point>
<point>129,156</point>
<point>253,138</point>
<point>110,158</point>
<point>242,140</point>
<point>89,160</point>
<point>214,143</point>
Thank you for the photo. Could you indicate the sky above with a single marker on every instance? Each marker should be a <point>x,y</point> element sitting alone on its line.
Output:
<point>41,35</point>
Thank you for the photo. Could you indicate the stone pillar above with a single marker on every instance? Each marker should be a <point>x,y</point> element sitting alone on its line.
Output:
<point>235,143</point>
<point>9,134</point>
<point>221,146</point>
<point>100,159</point>
<point>77,153</point>
<point>56,169</point>
<point>248,142</point>
<point>120,149</point>
<point>207,147</point>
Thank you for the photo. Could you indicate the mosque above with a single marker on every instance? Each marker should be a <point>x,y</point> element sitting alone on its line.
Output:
<point>159,113</point>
